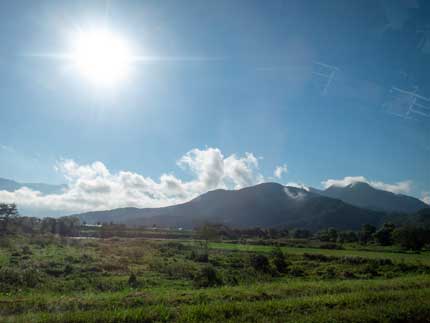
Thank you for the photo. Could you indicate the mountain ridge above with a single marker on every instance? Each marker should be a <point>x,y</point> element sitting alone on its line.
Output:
<point>364,195</point>
<point>263,205</point>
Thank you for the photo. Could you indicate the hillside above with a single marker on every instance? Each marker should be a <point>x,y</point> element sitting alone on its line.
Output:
<point>263,205</point>
<point>363,195</point>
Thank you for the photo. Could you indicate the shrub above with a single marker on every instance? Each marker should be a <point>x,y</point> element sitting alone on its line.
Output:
<point>370,270</point>
<point>132,280</point>
<point>353,260</point>
<point>177,270</point>
<point>260,263</point>
<point>199,256</point>
<point>10,277</point>
<point>348,275</point>
<point>31,278</point>
<point>279,260</point>
<point>317,257</point>
<point>331,246</point>
<point>296,271</point>
<point>329,273</point>
<point>26,250</point>
<point>207,277</point>
<point>68,269</point>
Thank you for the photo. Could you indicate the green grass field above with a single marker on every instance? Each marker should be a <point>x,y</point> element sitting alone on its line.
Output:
<point>47,279</point>
<point>423,257</point>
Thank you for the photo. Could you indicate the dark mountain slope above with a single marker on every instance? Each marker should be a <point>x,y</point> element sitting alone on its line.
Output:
<point>263,205</point>
<point>365,196</point>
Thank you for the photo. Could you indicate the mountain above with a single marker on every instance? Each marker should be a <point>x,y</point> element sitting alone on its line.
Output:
<point>363,195</point>
<point>263,205</point>
<point>9,185</point>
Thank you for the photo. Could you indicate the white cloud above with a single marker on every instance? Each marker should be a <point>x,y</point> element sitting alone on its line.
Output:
<point>242,171</point>
<point>298,185</point>
<point>299,195</point>
<point>399,187</point>
<point>207,165</point>
<point>93,187</point>
<point>279,170</point>
<point>425,197</point>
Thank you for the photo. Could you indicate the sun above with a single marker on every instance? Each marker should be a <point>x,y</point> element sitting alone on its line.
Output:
<point>101,56</point>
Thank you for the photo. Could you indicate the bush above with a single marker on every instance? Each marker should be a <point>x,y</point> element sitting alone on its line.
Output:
<point>329,273</point>
<point>31,278</point>
<point>370,270</point>
<point>348,275</point>
<point>207,277</point>
<point>317,257</point>
<point>353,260</point>
<point>68,269</point>
<point>199,256</point>
<point>10,276</point>
<point>331,246</point>
<point>279,260</point>
<point>132,280</point>
<point>26,250</point>
<point>296,271</point>
<point>15,278</point>
<point>177,270</point>
<point>260,263</point>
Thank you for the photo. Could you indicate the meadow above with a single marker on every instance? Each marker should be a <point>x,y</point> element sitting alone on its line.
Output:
<point>45,278</point>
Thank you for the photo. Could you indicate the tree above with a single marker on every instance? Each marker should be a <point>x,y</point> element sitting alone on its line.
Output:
<point>48,225</point>
<point>366,233</point>
<point>384,235</point>
<point>7,212</point>
<point>411,237</point>
<point>332,234</point>
<point>323,236</point>
<point>347,236</point>
<point>207,232</point>
<point>68,226</point>
<point>329,235</point>
<point>301,234</point>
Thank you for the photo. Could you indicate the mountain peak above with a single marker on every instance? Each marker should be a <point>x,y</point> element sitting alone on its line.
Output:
<point>360,185</point>
<point>363,195</point>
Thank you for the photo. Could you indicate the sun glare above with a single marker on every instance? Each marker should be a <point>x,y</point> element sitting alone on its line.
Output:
<point>101,56</point>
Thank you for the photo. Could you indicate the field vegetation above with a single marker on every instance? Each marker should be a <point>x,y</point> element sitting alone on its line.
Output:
<point>47,278</point>
<point>56,270</point>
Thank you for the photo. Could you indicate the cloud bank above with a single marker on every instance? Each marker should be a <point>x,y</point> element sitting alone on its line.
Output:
<point>93,187</point>
<point>398,188</point>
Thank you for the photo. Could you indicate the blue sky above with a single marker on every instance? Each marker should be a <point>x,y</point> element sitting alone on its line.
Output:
<point>249,85</point>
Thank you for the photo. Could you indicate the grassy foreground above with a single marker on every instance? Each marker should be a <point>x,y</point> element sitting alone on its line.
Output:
<point>394,255</point>
<point>47,279</point>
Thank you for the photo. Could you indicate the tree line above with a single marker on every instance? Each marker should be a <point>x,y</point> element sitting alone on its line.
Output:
<point>409,236</point>
<point>11,223</point>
